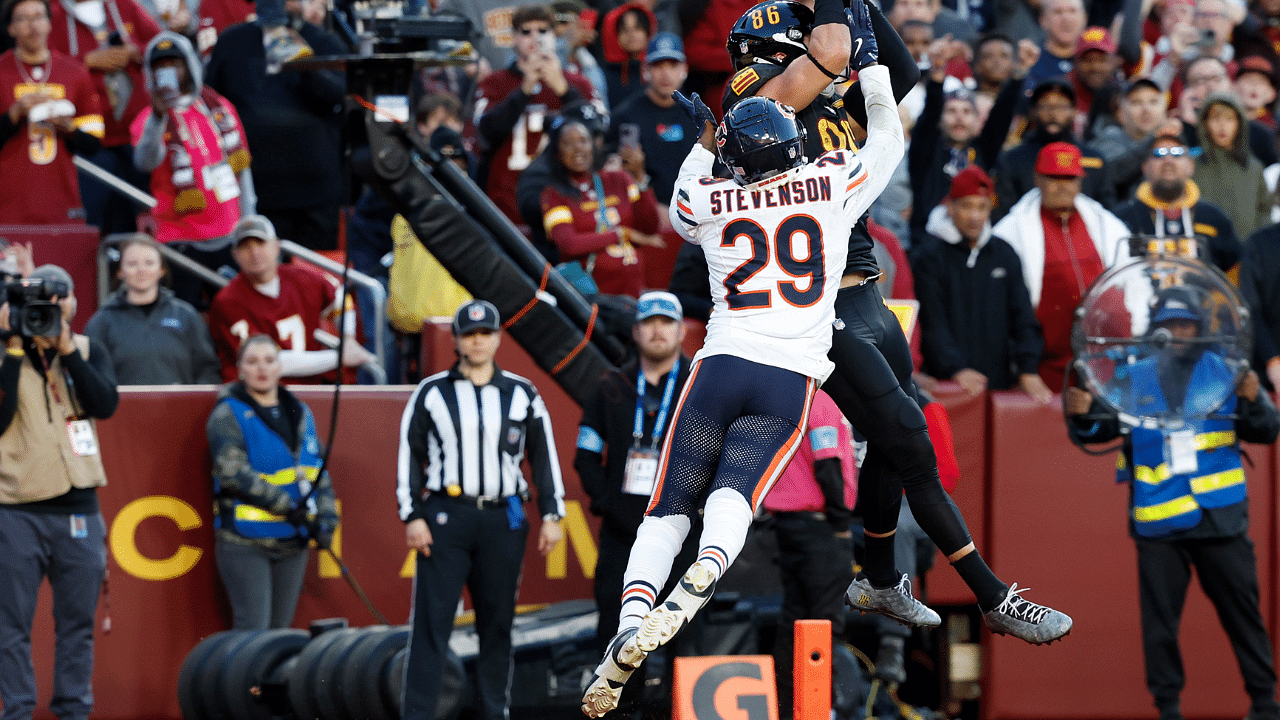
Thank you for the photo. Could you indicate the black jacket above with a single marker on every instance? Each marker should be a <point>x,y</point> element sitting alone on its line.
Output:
<point>975,311</point>
<point>610,417</point>
<point>1208,222</point>
<point>929,158</point>
<point>293,120</point>
<point>1260,284</point>
<point>1015,171</point>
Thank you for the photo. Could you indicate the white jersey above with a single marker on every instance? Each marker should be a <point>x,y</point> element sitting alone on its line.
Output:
<point>775,253</point>
<point>776,249</point>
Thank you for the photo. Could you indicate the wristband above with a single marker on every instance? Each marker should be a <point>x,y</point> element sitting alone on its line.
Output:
<point>16,352</point>
<point>827,12</point>
<point>551,517</point>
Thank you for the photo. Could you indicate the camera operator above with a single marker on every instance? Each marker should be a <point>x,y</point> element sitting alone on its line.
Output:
<point>52,387</point>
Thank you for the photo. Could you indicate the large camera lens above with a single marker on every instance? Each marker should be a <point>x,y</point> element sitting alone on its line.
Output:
<point>40,319</point>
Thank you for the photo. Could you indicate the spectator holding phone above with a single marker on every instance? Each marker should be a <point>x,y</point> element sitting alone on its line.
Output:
<point>192,143</point>
<point>652,134</point>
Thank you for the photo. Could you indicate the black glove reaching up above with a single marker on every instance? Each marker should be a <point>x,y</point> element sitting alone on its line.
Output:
<point>866,51</point>
<point>695,109</point>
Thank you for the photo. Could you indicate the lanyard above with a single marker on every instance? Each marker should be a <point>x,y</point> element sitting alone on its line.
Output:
<point>637,429</point>
<point>1187,228</point>
<point>602,217</point>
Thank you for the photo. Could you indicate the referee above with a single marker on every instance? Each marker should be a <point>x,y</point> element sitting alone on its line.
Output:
<point>461,495</point>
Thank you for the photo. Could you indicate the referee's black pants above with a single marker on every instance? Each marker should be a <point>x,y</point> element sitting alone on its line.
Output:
<point>1228,573</point>
<point>477,547</point>
<point>872,386</point>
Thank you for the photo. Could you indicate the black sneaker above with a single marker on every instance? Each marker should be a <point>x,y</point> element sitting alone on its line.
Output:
<point>1021,618</point>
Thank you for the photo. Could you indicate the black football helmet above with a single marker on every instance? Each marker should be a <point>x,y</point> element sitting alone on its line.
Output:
<point>777,26</point>
<point>760,138</point>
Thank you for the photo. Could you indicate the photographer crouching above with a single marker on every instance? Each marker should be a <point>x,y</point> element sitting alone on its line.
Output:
<point>53,384</point>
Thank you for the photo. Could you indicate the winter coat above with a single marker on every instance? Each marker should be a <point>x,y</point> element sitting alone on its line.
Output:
<point>170,345</point>
<point>1232,178</point>
<point>975,310</point>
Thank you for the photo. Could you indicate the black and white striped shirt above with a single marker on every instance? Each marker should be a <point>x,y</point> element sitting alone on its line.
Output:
<point>456,433</point>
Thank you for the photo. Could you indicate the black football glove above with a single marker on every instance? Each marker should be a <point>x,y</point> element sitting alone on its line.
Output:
<point>865,49</point>
<point>697,110</point>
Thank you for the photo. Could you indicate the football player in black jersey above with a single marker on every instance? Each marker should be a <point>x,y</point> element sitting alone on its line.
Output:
<point>780,50</point>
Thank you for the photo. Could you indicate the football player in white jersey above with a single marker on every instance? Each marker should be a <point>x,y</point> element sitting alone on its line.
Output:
<point>775,238</point>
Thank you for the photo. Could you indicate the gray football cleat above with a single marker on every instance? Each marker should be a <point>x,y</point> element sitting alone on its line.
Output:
<point>1021,618</point>
<point>896,602</point>
<point>621,659</point>
<point>671,615</point>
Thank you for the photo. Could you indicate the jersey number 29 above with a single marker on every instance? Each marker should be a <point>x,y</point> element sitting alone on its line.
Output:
<point>811,267</point>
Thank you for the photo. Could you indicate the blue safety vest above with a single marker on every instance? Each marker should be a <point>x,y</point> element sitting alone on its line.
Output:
<point>1165,503</point>
<point>269,455</point>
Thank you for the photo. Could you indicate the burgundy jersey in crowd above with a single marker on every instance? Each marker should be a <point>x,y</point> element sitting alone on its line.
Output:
<point>38,183</point>
<point>513,155</point>
<point>240,311</point>
<point>123,100</point>
<point>575,225</point>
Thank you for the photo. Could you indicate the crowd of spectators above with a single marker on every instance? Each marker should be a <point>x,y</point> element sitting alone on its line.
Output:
<point>1090,119</point>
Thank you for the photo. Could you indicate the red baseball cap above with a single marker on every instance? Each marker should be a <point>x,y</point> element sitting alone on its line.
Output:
<point>1096,38</point>
<point>971,181</point>
<point>1059,159</point>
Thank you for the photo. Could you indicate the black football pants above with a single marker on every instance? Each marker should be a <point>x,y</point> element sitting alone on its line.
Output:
<point>872,386</point>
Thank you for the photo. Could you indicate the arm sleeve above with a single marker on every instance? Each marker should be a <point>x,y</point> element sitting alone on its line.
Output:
<point>697,164</point>
<point>1130,40</point>
<point>540,450</point>
<point>999,120</point>
<point>83,143</point>
<point>883,150</point>
<point>204,359</point>
<point>644,211</point>
<point>829,475</point>
<point>924,136</point>
<point>415,428</point>
<point>303,363</point>
<point>248,194</point>
<point>588,459</point>
<point>148,149</point>
<point>9,371</point>
<point>894,55</point>
<point>496,123</point>
<point>7,127</point>
<point>236,477</point>
<point>95,381</point>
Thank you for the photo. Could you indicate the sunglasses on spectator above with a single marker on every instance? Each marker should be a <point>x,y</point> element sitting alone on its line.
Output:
<point>1175,151</point>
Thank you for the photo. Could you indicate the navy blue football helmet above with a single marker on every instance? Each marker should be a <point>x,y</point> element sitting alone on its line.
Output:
<point>777,26</point>
<point>760,138</point>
